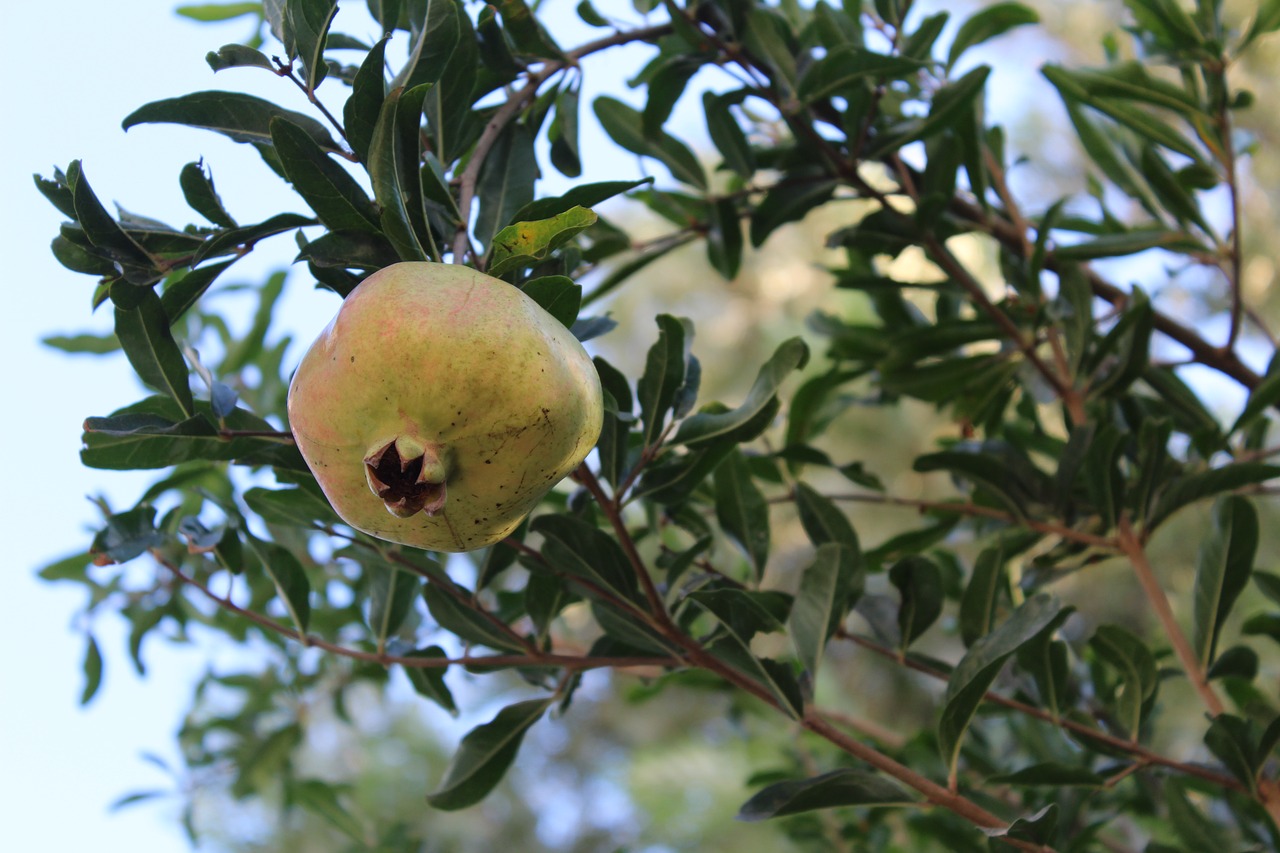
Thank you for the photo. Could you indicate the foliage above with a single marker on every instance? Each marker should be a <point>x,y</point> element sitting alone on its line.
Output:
<point>1073,430</point>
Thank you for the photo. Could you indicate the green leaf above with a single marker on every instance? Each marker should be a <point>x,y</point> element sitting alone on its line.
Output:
<point>92,668</point>
<point>1265,20</point>
<point>485,754</point>
<point>142,328</point>
<point>437,41</point>
<point>980,602</point>
<point>822,520</point>
<point>788,200</point>
<point>306,23</point>
<point>83,344</point>
<point>328,189</point>
<point>838,788</point>
<point>467,620</point>
<point>393,171</point>
<point>347,249</point>
<point>1051,774</point>
<point>988,23</point>
<point>563,134</point>
<point>364,105</point>
<point>505,183</point>
<point>948,103</point>
<point>666,83</point>
<point>389,598</point>
<point>625,126</point>
<point>791,355</point>
<point>724,238</point>
<point>321,799</point>
<point>218,11</point>
<point>197,189</point>
<point>290,580</point>
<point>1189,488</point>
<point>241,117</point>
<point>1261,398</point>
<point>827,588</point>
<point>919,583</point>
<point>558,296</point>
<point>238,56</point>
<point>741,509</point>
<point>776,678</point>
<point>726,134</point>
<point>526,32</point>
<point>105,234</point>
<point>850,65</point>
<point>582,195</point>
<point>524,244</point>
<point>1128,243</point>
<point>574,548</point>
<point>228,241</point>
<point>457,57</point>
<point>1223,566</point>
<point>429,681</point>
<point>293,507</point>
<point>612,446</point>
<point>1133,661</point>
<point>982,663</point>
<point>1233,741</point>
<point>746,612</point>
<point>664,373</point>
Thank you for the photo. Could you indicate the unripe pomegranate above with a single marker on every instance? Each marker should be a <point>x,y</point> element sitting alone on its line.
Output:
<point>440,404</point>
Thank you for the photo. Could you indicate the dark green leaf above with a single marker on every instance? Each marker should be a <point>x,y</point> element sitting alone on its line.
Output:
<point>1188,488</point>
<point>506,183</point>
<point>1222,571</point>
<point>948,103</point>
<point>1051,774</point>
<point>364,105</point>
<point>241,117</point>
<point>579,550</point>
<point>485,754</point>
<point>563,134</point>
<point>827,589</point>
<point>838,788</point>
<point>451,62</point>
<point>625,126</point>
<point>429,681</point>
<point>788,201</point>
<point>664,373</point>
<point>724,238</point>
<point>980,602</point>
<point>1133,661</point>
<point>238,56</point>
<point>982,663</point>
<point>142,328</point>
<point>526,32</point>
<point>290,580</point>
<point>727,134</point>
<point>746,612</point>
<point>790,355</point>
<point>197,188</point>
<point>850,65</point>
<point>437,41</point>
<point>919,583</point>
<point>321,798</point>
<point>822,520</point>
<point>293,507</point>
<point>988,23</point>
<point>306,23</point>
<point>583,195</point>
<point>393,171</point>
<point>92,669</point>
<point>1233,740</point>
<point>558,296</point>
<point>741,510</point>
<point>227,241</point>
<point>468,620</point>
<point>328,189</point>
<point>389,597</point>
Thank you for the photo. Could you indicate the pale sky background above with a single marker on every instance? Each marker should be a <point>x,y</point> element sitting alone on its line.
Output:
<point>73,74</point>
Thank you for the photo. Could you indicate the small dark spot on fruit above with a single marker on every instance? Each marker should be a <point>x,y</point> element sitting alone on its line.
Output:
<point>488,461</point>
<point>353,359</point>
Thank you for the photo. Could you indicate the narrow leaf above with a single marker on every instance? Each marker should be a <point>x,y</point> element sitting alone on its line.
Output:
<point>741,509</point>
<point>485,754</point>
<point>830,790</point>
<point>791,355</point>
<point>1223,567</point>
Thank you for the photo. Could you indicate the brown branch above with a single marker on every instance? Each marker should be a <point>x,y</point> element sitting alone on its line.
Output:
<point>535,658</point>
<point>1133,549</point>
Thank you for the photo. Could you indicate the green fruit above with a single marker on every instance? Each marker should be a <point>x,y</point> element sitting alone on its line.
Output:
<point>440,404</point>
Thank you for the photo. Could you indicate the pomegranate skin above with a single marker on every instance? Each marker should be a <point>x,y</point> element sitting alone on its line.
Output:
<point>440,405</point>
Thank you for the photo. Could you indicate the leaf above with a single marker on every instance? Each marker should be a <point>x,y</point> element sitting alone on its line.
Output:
<point>849,65</point>
<point>988,23</point>
<point>791,355</point>
<point>321,799</point>
<point>105,234</point>
<point>142,327</point>
<point>726,134</point>
<point>1128,243</point>
<point>524,244</point>
<point>393,171</point>
<point>364,105</point>
<point>558,296</point>
<point>505,183</point>
<point>776,678</point>
<point>1223,566</point>
<point>241,117</point>
<point>666,83</point>
<point>389,599</point>
<point>580,550</point>
<point>238,56</point>
<point>526,32</point>
<point>746,612</point>
<point>948,102</point>
<point>306,23</point>
<point>1050,774</point>
<point>724,238</point>
<point>625,126</point>
<point>218,11</point>
<point>822,520</point>
<point>1188,488</point>
<point>582,195</point>
<point>1233,741</point>
<point>1261,398</point>
<point>328,189</point>
<point>92,668</point>
<point>467,621</point>
<point>289,578</point>
<point>982,663</point>
<point>741,510</point>
<point>485,754</point>
<point>293,507</point>
<point>826,589</point>
<point>450,61</point>
<point>197,189</point>
<point>437,41</point>
<point>1133,661</point>
<point>979,603</point>
<point>919,583</point>
<point>563,134</point>
<point>225,242</point>
<point>664,373</point>
<point>838,788</point>
<point>83,344</point>
<point>788,200</point>
<point>429,681</point>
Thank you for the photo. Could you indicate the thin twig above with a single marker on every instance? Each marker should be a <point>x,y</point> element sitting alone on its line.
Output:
<point>1133,549</point>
